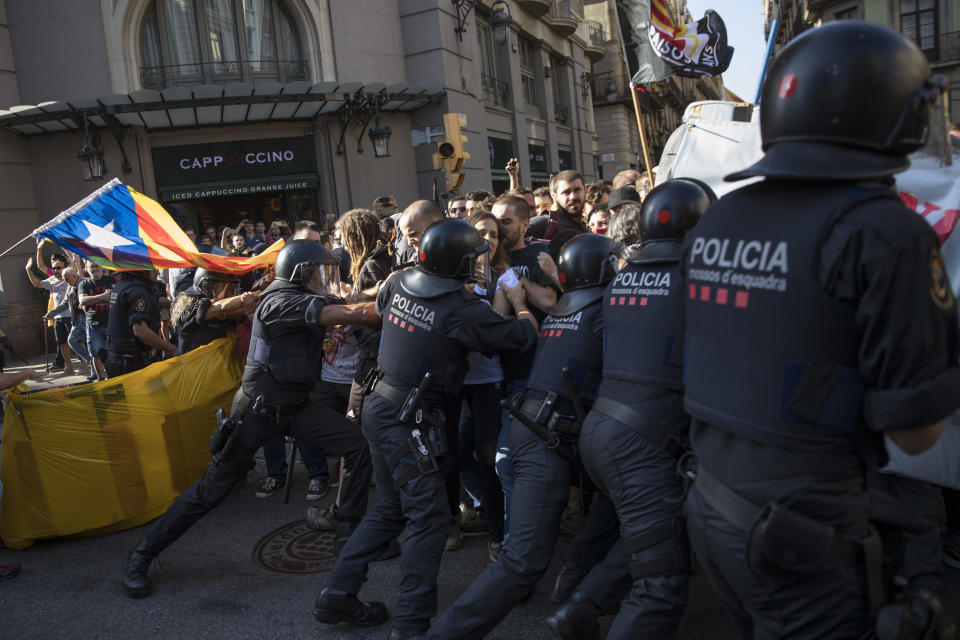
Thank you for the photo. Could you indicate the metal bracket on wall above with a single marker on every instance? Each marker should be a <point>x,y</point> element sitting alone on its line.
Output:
<point>359,111</point>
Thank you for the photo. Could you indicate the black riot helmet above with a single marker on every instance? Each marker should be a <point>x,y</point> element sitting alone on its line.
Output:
<point>204,282</point>
<point>299,260</point>
<point>446,258</point>
<point>673,207</point>
<point>845,101</point>
<point>587,260</point>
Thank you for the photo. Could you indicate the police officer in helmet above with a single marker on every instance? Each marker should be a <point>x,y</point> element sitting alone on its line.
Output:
<point>208,309</point>
<point>430,323</point>
<point>563,384</point>
<point>133,325</point>
<point>274,397</point>
<point>819,319</point>
<point>636,431</point>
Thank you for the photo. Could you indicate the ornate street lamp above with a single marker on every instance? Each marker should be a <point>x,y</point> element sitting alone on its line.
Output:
<point>380,137</point>
<point>90,154</point>
<point>500,19</point>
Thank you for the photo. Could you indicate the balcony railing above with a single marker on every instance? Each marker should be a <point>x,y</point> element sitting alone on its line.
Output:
<point>176,75</point>
<point>949,46</point>
<point>496,92</point>
<point>561,9</point>
<point>561,113</point>
<point>597,36</point>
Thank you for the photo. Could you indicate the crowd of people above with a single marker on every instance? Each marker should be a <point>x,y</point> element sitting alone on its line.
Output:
<point>661,374</point>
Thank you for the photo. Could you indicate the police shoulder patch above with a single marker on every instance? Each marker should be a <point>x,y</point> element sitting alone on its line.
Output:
<point>140,305</point>
<point>940,291</point>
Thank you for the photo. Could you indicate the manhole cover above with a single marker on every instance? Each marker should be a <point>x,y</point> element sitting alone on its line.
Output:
<point>296,548</point>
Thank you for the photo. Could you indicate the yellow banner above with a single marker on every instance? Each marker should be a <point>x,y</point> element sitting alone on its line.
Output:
<point>111,455</point>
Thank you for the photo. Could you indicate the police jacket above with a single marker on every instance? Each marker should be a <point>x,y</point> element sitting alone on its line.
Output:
<point>817,314</point>
<point>435,334</point>
<point>285,344</point>
<point>571,337</point>
<point>131,301</point>
<point>194,331</point>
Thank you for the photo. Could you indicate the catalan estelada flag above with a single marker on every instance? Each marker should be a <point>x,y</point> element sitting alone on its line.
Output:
<point>121,229</point>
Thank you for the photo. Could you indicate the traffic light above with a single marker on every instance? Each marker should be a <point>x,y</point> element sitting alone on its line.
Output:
<point>450,154</point>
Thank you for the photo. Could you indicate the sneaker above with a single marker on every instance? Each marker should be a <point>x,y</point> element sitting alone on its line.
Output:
<point>454,539</point>
<point>494,549</point>
<point>951,555</point>
<point>323,518</point>
<point>8,571</point>
<point>317,489</point>
<point>56,367</point>
<point>269,487</point>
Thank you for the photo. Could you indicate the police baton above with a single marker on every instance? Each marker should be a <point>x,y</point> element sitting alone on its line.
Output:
<point>552,441</point>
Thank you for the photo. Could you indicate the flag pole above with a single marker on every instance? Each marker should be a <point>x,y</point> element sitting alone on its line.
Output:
<point>643,137</point>
<point>19,242</point>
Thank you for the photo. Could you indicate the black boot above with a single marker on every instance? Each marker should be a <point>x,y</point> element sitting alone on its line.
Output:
<point>135,565</point>
<point>333,608</point>
<point>577,619</point>
<point>570,576</point>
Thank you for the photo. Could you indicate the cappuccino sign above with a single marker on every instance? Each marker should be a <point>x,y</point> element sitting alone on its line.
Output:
<point>205,163</point>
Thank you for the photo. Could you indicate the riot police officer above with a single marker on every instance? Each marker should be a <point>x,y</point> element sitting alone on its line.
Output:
<point>563,383</point>
<point>636,431</point>
<point>274,397</point>
<point>205,311</point>
<point>133,325</point>
<point>819,316</point>
<point>430,323</point>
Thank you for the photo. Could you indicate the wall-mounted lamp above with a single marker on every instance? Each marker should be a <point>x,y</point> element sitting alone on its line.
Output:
<point>500,19</point>
<point>380,137</point>
<point>90,154</point>
<point>610,91</point>
<point>464,7</point>
<point>361,109</point>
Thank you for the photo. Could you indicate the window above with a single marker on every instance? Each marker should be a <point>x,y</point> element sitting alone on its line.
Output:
<point>558,76</point>
<point>528,73</point>
<point>189,42</point>
<point>918,23</point>
<point>850,13</point>
<point>496,92</point>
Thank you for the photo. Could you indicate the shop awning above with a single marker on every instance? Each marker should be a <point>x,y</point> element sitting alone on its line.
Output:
<point>215,105</point>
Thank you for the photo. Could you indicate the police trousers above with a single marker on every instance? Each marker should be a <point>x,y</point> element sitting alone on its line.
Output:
<point>540,491</point>
<point>640,479</point>
<point>419,504</point>
<point>828,604</point>
<point>311,422</point>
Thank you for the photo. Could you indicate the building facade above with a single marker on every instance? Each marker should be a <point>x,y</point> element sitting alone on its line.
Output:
<point>661,105</point>
<point>934,25</point>
<point>263,109</point>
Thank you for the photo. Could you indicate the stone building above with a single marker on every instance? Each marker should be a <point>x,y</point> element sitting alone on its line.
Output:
<point>264,109</point>
<point>661,105</point>
<point>934,25</point>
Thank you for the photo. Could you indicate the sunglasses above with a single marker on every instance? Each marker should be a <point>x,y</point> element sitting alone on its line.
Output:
<point>457,209</point>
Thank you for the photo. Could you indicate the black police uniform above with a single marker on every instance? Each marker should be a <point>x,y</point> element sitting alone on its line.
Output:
<point>282,364</point>
<point>632,437</point>
<point>420,335</point>
<point>193,330</point>
<point>131,301</point>
<point>817,316</point>
<point>571,337</point>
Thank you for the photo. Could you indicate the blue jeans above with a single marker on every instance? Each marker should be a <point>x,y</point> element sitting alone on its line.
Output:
<point>275,455</point>
<point>78,341</point>
<point>504,464</point>
<point>470,478</point>
<point>97,341</point>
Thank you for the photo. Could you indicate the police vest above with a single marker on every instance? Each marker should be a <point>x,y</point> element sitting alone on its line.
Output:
<point>567,340</point>
<point>192,334</point>
<point>120,337</point>
<point>291,354</point>
<point>414,341</point>
<point>769,355</point>
<point>643,319</point>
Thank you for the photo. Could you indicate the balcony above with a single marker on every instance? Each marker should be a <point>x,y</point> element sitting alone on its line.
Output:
<point>496,92</point>
<point>561,114</point>
<point>536,7</point>
<point>596,47</point>
<point>560,18</point>
<point>187,75</point>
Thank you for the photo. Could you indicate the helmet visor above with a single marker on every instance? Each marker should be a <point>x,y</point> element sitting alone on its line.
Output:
<point>923,121</point>
<point>320,278</point>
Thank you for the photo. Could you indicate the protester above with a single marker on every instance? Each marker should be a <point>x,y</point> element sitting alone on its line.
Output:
<point>58,289</point>
<point>621,197</point>
<point>457,208</point>
<point>477,197</point>
<point>94,296</point>
<point>77,339</point>
<point>543,201</point>
<point>599,220</point>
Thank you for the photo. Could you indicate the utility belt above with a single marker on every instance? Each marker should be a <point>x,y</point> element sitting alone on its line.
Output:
<point>539,412</point>
<point>427,442</point>
<point>662,435</point>
<point>223,440</point>
<point>784,543</point>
